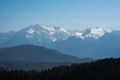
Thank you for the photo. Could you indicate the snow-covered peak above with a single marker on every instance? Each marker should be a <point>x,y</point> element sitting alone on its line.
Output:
<point>78,34</point>
<point>108,30</point>
<point>63,30</point>
<point>97,32</point>
<point>42,33</point>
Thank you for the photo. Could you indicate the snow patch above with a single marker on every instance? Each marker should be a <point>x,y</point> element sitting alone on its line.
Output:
<point>51,33</point>
<point>96,33</point>
<point>63,30</point>
<point>49,28</point>
<point>78,34</point>
<point>54,39</point>
<point>31,31</point>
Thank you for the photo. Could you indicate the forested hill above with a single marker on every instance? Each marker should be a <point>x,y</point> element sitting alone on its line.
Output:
<point>106,69</point>
<point>29,57</point>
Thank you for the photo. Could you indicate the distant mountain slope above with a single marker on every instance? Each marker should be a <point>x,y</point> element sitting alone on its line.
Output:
<point>27,55</point>
<point>99,42</point>
<point>106,46</point>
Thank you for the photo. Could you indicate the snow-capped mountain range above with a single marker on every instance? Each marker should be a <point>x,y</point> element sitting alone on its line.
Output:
<point>59,33</point>
<point>62,39</point>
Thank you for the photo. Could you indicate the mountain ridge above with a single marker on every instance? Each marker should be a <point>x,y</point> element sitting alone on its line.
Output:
<point>31,29</point>
<point>93,42</point>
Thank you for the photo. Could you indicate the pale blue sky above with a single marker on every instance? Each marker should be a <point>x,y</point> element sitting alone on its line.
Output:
<point>73,14</point>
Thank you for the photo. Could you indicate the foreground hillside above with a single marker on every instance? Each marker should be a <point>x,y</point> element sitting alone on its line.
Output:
<point>107,69</point>
<point>35,57</point>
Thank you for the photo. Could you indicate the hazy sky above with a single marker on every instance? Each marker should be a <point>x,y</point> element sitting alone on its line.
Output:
<point>74,14</point>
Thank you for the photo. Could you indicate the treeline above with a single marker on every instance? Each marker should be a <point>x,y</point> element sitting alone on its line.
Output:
<point>106,69</point>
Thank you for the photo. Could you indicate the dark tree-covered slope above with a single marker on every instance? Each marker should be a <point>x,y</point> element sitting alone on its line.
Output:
<point>107,69</point>
<point>35,57</point>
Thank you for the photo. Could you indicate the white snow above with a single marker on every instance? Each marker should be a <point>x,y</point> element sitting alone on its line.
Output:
<point>107,29</point>
<point>28,36</point>
<point>79,34</point>
<point>49,28</point>
<point>51,33</point>
<point>30,31</point>
<point>96,33</point>
<point>54,39</point>
<point>63,30</point>
<point>63,34</point>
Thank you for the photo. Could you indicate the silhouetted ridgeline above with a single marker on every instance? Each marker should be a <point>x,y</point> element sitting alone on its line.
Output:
<point>106,69</point>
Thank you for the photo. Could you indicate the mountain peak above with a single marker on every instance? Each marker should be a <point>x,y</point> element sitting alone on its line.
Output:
<point>79,35</point>
<point>43,33</point>
<point>97,32</point>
